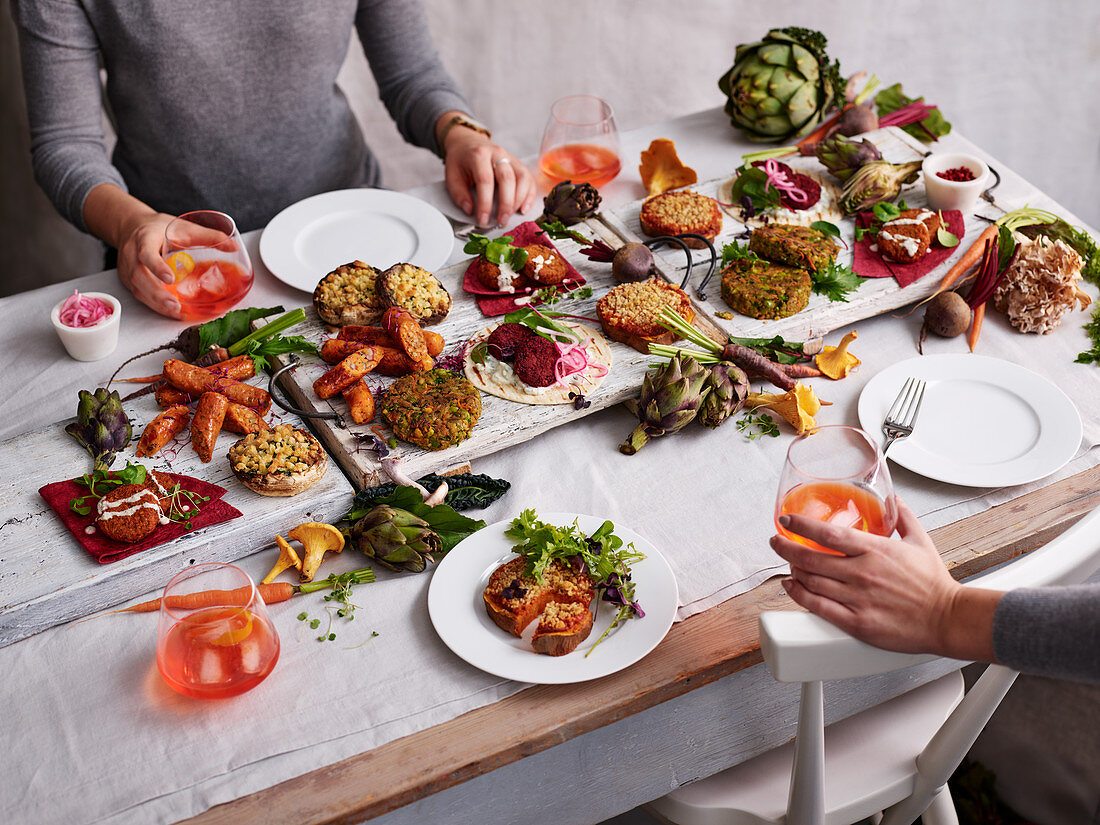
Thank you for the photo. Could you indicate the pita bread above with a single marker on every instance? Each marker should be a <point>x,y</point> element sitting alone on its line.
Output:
<point>826,209</point>
<point>497,377</point>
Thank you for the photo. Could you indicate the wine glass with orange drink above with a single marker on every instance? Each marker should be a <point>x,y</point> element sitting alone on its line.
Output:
<point>213,272</point>
<point>580,142</point>
<point>838,475</point>
<point>223,642</point>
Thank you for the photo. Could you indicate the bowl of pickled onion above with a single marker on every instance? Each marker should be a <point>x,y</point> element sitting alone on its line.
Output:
<point>87,324</point>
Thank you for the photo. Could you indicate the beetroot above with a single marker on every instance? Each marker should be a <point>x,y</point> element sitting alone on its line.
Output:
<point>503,341</point>
<point>536,361</point>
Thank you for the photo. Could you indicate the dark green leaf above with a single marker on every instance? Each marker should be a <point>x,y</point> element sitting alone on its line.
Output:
<point>885,211</point>
<point>478,353</point>
<point>465,491</point>
<point>231,327</point>
<point>826,228</point>
<point>450,525</point>
<point>1006,245</point>
<point>933,126</point>
<point>753,182</point>
<point>555,229</point>
<point>776,349</point>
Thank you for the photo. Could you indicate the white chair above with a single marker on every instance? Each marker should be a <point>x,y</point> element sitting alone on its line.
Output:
<point>894,758</point>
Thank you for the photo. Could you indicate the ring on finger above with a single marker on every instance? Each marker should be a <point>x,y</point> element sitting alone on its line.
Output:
<point>502,160</point>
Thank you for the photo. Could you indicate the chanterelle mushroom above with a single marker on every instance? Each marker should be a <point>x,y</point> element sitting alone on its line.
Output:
<point>317,539</point>
<point>287,559</point>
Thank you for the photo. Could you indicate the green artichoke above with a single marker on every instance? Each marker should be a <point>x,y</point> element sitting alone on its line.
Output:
<point>843,156</point>
<point>101,426</point>
<point>729,386</point>
<point>670,399</point>
<point>781,87</point>
<point>396,539</point>
<point>571,202</point>
<point>876,182</point>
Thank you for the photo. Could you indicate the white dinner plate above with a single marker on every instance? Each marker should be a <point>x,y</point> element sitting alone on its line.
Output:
<point>458,611</point>
<point>984,422</point>
<point>309,239</point>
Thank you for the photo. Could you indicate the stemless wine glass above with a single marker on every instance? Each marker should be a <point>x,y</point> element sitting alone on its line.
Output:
<point>224,644</point>
<point>836,474</point>
<point>580,142</point>
<point>212,268</point>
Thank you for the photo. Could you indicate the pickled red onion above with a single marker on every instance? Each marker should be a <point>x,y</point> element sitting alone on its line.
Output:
<point>82,311</point>
<point>778,179</point>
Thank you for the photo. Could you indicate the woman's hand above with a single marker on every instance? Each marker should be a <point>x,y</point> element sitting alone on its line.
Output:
<point>891,593</point>
<point>473,161</point>
<point>137,232</point>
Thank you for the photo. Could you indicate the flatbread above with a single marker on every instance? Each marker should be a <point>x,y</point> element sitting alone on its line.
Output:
<point>826,209</point>
<point>497,378</point>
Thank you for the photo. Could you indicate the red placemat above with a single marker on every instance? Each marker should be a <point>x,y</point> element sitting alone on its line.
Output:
<point>492,302</point>
<point>105,550</point>
<point>869,264</point>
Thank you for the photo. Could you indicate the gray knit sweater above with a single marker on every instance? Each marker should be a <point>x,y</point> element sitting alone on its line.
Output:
<point>1050,631</point>
<point>218,105</point>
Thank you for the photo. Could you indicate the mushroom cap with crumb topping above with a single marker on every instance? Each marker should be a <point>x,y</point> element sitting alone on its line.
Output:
<point>673,213</point>
<point>349,295</point>
<point>282,461</point>
<point>417,290</point>
<point>630,313</point>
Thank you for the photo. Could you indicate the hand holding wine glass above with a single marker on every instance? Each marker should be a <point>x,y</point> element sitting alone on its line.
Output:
<point>836,475</point>
<point>211,268</point>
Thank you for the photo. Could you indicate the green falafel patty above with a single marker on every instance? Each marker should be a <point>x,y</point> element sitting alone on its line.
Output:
<point>762,289</point>
<point>799,246</point>
<point>435,409</point>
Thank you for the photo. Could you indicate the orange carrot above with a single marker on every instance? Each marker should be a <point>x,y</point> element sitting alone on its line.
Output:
<point>975,326</point>
<point>271,593</point>
<point>820,132</point>
<point>972,255</point>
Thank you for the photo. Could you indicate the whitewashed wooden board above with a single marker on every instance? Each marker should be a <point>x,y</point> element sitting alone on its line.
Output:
<point>47,578</point>
<point>502,423</point>
<point>875,296</point>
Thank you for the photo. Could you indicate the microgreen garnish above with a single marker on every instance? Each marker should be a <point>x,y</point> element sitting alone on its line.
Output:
<point>608,561</point>
<point>755,423</point>
<point>552,294</point>
<point>101,482</point>
<point>343,608</point>
<point>497,251</point>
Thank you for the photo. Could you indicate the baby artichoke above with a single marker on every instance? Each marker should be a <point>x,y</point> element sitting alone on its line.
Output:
<point>843,156</point>
<point>876,182</point>
<point>670,399</point>
<point>101,426</point>
<point>729,386</point>
<point>571,202</point>
<point>396,539</point>
<point>780,87</point>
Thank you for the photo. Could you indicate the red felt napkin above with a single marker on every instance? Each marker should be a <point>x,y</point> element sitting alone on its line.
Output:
<point>870,264</point>
<point>105,550</point>
<point>492,302</point>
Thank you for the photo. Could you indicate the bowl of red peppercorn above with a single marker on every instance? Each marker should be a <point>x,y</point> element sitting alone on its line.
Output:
<point>954,180</point>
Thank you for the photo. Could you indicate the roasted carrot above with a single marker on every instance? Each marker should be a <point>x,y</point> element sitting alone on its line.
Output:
<point>975,326</point>
<point>376,335</point>
<point>404,329</point>
<point>270,593</point>
<point>348,371</point>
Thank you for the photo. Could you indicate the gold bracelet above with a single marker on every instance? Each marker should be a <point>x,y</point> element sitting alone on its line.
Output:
<point>461,120</point>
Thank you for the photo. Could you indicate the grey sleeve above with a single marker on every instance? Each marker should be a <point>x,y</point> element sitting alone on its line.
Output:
<point>60,57</point>
<point>412,82</point>
<point>1050,631</point>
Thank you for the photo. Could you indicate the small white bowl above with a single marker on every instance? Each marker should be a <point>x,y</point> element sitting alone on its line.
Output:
<point>90,343</point>
<point>953,194</point>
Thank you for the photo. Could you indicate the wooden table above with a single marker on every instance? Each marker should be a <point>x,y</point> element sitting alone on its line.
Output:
<point>703,685</point>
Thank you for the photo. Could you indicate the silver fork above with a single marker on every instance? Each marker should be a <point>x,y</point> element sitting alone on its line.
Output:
<point>902,415</point>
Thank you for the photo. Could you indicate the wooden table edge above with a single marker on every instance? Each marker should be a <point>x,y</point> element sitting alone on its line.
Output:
<point>697,651</point>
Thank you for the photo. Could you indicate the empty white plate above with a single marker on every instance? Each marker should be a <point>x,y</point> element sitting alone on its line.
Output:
<point>309,239</point>
<point>984,422</point>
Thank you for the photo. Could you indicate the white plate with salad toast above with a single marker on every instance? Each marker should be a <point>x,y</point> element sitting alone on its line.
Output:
<point>458,612</point>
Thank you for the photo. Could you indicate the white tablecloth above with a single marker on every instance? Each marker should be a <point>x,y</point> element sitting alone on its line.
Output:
<point>95,736</point>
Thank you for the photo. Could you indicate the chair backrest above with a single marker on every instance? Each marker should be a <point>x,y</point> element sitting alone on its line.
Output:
<point>801,647</point>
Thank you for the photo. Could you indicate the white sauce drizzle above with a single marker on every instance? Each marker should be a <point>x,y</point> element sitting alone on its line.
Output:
<point>910,245</point>
<point>141,500</point>
<point>505,277</point>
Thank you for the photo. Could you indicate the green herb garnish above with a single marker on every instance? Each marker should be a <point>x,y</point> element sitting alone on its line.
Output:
<point>266,341</point>
<point>733,251</point>
<point>836,281</point>
<point>498,251</point>
<point>753,183</point>
<point>232,327</point>
<point>756,423</point>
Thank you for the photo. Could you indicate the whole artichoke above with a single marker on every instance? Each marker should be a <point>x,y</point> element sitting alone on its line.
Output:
<point>571,202</point>
<point>396,539</point>
<point>729,386</point>
<point>843,156</point>
<point>875,182</point>
<point>670,399</point>
<point>101,426</point>
<point>781,87</point>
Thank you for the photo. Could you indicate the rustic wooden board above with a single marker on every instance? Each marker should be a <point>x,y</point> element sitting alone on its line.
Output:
<point>502,423</point>
<point>46,577</point>
<point>821,316</point>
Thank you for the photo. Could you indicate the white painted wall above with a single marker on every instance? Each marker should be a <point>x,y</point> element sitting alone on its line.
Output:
<point>1019,77</point>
